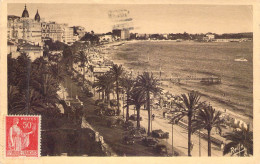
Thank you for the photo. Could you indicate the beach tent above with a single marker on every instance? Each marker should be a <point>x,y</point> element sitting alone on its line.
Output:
<point>243,125</point>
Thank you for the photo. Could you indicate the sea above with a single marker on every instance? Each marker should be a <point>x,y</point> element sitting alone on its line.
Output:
<point>198,59</point>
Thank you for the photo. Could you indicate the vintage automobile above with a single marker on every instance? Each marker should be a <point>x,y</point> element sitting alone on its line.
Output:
<point>150,141</point>
<point>97,102</point>
<point>160,134</point>
<point>129,140</point>
<point>110,112</point>
<point>128,125</point>
<point>141,130</point>
<point>134,117</point>
<point>161,149</point>
<point>99,111</point>
<point>112,123</point>
<point>120,121</point>
<point>138,136</point>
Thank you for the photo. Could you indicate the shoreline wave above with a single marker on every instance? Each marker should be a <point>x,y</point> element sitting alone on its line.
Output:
<point>221,103</point>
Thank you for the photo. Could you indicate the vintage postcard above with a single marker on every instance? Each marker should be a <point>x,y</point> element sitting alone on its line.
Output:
<point>130,79</point>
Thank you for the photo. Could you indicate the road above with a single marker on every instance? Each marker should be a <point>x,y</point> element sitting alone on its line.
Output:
<point>180,135</point>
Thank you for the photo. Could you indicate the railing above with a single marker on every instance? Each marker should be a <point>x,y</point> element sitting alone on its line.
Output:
<point>208,80</point>
<point>203,135</point>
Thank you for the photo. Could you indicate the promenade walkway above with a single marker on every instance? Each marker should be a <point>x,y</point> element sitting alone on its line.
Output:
<point>180,136</point>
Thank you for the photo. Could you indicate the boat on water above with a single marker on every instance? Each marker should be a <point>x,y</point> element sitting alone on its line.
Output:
<point>241,60</point>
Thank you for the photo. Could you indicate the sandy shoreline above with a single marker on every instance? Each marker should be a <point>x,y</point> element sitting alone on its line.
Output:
<point>174,88</point>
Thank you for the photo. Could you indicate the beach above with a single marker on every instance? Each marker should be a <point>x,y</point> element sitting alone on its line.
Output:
<point>192,59</point>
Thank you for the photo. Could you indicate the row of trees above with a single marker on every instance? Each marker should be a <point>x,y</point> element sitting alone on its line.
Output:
<point>138,91</point>
<point>203,116</point>
<point>200,115</point>
<point>187,36</point>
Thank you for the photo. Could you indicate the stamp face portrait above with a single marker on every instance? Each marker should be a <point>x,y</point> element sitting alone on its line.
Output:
<point>22,136</point>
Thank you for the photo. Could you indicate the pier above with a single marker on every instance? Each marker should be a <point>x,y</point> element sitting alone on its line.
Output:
<point>203,80</point>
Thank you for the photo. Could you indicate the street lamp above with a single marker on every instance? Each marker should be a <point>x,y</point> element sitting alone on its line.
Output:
<point>199,145</point>
<point>123,104</point>
<point>151,108</point>
<point>172,122</point>
<point>199,140</point>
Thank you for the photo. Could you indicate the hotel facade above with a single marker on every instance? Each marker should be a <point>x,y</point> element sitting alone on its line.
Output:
<point>29,34</point>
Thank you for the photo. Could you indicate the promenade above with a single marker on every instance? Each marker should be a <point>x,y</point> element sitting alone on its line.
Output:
<point>180,141</point>
<point>180,135</point>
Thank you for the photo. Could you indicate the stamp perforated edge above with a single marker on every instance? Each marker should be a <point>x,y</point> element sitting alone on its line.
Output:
<point>39,137</point>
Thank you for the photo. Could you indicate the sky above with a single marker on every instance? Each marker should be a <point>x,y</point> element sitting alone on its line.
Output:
<point>146,18</point>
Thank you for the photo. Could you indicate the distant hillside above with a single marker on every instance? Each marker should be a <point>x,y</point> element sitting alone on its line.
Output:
<point>234,35</point>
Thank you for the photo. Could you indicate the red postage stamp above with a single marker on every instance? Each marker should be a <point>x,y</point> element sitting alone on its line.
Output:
<point>22,136</point>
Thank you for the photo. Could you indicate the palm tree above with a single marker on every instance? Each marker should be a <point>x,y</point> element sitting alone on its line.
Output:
<point>67,58</point>
<point>138,99</point>
<point>127,84</point>
<point>14,99</point>
<point>83,59</point>
<point>57,72</point>
<point>105,84</point>
<point>40,65</point>
<point>100,86</point>
<point>147,85</point>
<point>207,118</point>
<point>47,86</point>
<point>240,139</point>
<point>117,72</point>
<point>24,75</point>
<point>109,86</point>
<point>187,105</point>
<point>32,104</point>
<point>13,71</point>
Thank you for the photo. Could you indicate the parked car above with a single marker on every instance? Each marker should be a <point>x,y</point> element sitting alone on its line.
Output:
<point>112,123</point>
<point>110,112</point>
<point>128,125</point>
<point>134,117</point>
<point>129,140</point>
<point>120,121</point>
<point>113,103</point>
<point>138,136</point>
<point>141,130</point>
<point>150,141</point>
<point>99,111</point>
<point>161,149</point>
<point>160,134</point>
<point>97,102</point>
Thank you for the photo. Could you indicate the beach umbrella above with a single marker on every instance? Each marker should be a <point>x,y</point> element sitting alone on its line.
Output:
<point>244,126</point>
